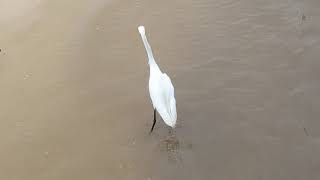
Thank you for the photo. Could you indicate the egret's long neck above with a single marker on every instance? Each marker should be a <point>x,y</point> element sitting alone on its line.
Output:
<point>148,49</point>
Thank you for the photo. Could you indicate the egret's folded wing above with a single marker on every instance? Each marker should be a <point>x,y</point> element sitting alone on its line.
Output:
<point>168,111</point>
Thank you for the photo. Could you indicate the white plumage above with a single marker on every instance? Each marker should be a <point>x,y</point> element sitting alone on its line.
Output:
<point>160,87</point>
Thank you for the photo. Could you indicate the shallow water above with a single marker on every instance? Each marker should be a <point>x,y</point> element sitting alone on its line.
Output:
<point>75,104</point>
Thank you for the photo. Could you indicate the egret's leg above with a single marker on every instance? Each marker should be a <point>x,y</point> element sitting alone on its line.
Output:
<point>154,119</point>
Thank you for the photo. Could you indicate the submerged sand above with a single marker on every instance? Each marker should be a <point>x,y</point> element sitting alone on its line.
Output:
<point>75,104</point>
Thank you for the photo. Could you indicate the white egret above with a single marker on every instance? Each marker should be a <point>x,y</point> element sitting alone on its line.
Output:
<point>160,88</point>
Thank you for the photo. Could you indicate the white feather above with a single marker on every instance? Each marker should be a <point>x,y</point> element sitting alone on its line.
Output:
<point>160,87</point>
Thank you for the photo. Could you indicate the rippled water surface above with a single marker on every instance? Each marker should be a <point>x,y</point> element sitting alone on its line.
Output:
<point>75,104</point>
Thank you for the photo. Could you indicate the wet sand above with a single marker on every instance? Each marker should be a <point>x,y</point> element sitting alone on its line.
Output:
<point>75,104</point>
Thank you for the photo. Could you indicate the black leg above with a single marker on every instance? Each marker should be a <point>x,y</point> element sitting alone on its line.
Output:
<point>154,120</point>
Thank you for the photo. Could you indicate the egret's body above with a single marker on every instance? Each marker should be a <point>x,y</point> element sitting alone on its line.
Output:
<point>160,88</point>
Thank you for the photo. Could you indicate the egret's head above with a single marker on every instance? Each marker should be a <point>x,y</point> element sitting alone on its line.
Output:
<point>141,30</point>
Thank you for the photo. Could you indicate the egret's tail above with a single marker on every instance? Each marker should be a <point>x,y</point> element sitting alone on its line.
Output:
<point>169,115</point>
<point>146,44</point>
<point>168,112</point>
